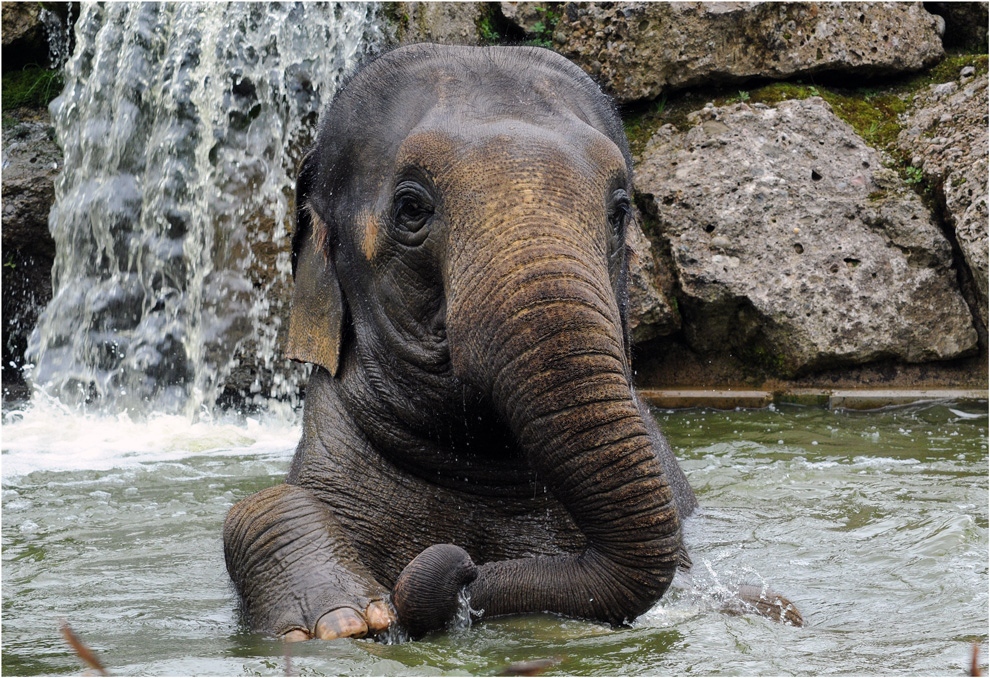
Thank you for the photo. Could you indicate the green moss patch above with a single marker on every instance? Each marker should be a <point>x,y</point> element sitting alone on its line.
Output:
<point>873,111</point>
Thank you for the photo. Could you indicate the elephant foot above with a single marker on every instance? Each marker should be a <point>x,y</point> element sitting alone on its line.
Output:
<point>426,592</point>
<point>346,622</point>
<point>770,604</point>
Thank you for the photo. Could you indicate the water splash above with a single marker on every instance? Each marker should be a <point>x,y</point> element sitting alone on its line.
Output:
<point>182,125</point>
<point>48,436</point>
<point>464,616</point>
<point>56,30</point>
<point>465,613</point>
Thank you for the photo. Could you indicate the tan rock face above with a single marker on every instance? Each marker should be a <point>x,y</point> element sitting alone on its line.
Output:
<point>448,23</point>
<point>22,22</point>
<point>638,50</point>
<point>947,136</point>
<point>794,247</point>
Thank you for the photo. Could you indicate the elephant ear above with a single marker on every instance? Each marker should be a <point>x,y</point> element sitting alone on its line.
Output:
<point>317,314</point>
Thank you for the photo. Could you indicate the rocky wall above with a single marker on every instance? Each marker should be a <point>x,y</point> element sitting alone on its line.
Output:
<point>36,40</point>
<point>777,238</point>
<point>774,239</point>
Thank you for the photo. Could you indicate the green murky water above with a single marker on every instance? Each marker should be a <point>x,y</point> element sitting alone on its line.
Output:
<point>874,524</point>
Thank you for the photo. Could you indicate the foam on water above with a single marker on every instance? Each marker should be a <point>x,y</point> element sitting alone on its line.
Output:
<point>48,436</point>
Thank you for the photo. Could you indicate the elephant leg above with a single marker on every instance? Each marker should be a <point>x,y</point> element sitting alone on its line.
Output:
<point>296,573</point>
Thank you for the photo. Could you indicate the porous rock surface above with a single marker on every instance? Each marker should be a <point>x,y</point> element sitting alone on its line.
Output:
<point>794,247</point>
<point>449,23</point>
<point>650,311</point>
<point>637,50</point>
<point>21,23</point>
<point>947,138</point>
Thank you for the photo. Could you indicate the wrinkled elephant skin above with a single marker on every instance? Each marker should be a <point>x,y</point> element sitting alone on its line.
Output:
<point>460,287</point>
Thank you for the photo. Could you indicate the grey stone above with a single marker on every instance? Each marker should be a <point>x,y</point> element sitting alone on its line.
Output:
<point>944,89</point>
<point>967,72</point>
<point>639,49</point>
<point>651,313</point>
<point>949,133</point>
<point>831,259</point>
<point>31,161</point>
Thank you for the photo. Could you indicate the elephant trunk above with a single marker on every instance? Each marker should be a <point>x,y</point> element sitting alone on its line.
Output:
<point>550,352</point>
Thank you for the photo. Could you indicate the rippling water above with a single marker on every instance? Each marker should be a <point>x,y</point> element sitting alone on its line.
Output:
<point>874,524</point>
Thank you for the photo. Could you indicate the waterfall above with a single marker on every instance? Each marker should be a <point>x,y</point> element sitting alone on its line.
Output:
<point>182,126</point>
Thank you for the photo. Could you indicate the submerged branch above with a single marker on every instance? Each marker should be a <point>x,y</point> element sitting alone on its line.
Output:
<point>83,652</point>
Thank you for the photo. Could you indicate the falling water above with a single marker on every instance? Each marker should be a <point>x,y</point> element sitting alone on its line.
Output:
<point>182,125</point>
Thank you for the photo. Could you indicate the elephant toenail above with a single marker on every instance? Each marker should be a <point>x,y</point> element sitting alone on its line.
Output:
<point>379,616</point>
<point>295,636</point>
<point>341,623</point>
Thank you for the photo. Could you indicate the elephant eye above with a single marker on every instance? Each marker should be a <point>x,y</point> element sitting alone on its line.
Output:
<point>619,210</point>
<point>412,210</point>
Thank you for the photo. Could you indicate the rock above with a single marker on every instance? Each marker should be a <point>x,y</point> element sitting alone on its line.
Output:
<point>830,260</point>
<point>529,16</point>
<point>651,313</point>
<point>965,23</point>
<point>449,23</point>
<point>967,72</point>
<point>22,24</point>
<point>638,50</point>
<point>35,33</point>
<point>944,89</point>
<point>31,161</point>
<point>948,131</point>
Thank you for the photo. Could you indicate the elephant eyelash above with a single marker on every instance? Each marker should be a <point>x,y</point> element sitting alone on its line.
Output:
<point>411,212</point>
<point>411,208</point>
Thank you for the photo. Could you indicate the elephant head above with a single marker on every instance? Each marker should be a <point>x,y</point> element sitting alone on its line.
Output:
<point>460,248</point>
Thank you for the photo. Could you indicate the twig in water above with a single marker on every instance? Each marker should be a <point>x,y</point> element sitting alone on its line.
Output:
<point>83,652</point>
<point>974,669</point>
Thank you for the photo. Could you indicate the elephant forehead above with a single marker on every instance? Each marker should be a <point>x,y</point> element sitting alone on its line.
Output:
<point>511,146</point>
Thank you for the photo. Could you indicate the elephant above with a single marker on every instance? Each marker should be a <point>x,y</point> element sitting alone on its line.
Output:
<point>470,423</point>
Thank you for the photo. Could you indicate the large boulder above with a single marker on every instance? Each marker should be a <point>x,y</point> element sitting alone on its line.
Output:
<point>639,49</point>
<point>794,247</point>
<point>946,137</point>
